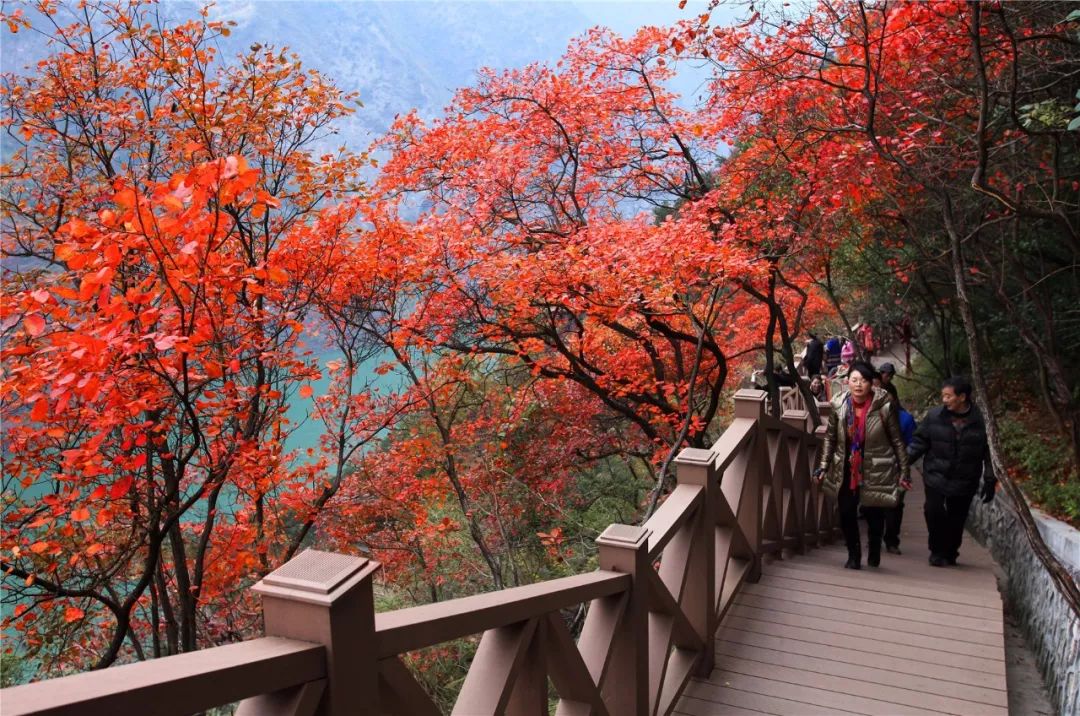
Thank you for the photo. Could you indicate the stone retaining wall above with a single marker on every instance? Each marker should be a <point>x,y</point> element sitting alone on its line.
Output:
<point>1051,629</point>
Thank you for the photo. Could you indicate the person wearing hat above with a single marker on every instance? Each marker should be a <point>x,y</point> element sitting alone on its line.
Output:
<point>839,376</point>
<point>888,372</point>
<point>847,355</point>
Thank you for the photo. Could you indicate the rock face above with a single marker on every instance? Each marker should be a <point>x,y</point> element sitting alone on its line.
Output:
<point>1052,630</point>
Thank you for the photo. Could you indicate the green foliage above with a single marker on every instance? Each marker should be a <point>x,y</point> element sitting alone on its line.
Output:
<point>1049,114</point>
<point>1041,464</point>
<point>13,670</point>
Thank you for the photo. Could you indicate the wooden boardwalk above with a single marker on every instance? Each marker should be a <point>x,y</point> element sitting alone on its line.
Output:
<point>906,638</point>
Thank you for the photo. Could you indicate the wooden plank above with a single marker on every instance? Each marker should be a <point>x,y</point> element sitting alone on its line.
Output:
<point>866,658</point>
<point>727,446</point>
<point>974,572</point>
<point>400,694</point>
<point>734,575</point>
<point>679,667</point>
<point>880,635</point>
<point>884,598</point>
<point>881,581</point>
<point>857,645</point>
<point>661,601</point>
<point>598,633</point>
<point>871,689</point>
<point>181,684</point>
<point>679,506</point>
<point>715,709</point>
<point>767,589</point>
<point>829,693</point>
<point>302,700</point>
<point>490,681</point>
<point>784,606</point>
<point>710,693</point>
<point>569,674</point>
<point>405,630</point>
<point>872,595</point>
<point>529,694</point>
<point>925,684</point>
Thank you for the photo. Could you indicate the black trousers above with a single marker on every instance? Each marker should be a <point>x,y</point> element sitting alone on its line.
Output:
<point>894,518</point>
<point>945,518</point>
<point>847,503</point>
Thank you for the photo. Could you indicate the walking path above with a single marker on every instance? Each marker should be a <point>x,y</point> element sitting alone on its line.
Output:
<point>906,638</point>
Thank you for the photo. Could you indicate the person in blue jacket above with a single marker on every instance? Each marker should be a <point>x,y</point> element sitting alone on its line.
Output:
<point>894,517</point>
<point>832,354</point>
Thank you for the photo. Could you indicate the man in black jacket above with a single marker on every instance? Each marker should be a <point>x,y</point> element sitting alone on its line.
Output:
<point>814,355</point>
<point>956,467</point>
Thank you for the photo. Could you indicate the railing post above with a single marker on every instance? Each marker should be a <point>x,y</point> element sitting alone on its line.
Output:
<point>818,434</point>
<point>325,598</point>
<point>623,548</point>
<point>697,467</point>
<point>800,474</point>
<point>751,404</point>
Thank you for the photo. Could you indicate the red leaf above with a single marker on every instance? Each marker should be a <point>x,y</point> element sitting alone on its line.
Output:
<point>35,324</point>
<point>72,614</point>
<point>40,411</point>
<point>122,486</point>
<point>306,391</point>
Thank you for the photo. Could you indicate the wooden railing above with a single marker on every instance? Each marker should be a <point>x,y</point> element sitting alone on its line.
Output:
<point>653,607</point>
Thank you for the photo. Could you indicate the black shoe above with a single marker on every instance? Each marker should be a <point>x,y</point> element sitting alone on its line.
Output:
<point>936,560</point>
<point>951,561</point>
<point>873,559</point>
<point>852,563</point>
<point>892,549</point>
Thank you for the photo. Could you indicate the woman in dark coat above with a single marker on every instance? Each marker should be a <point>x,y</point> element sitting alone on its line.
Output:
<point>863,461</point>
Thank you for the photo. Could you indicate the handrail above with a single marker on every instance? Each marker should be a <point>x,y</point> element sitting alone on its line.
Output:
<point>727,446</point>
<point>405,630</point>
<point>180,685</point>
<point>653,607</point>
<point>670,516</point>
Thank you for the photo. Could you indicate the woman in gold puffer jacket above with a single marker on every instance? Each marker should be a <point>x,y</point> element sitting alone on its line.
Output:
<point>863,461</point>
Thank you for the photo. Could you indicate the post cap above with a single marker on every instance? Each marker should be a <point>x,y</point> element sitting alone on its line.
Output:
<point>617,535</point>
<point>315,576</point>
<point>695,456</point>
<point>796,417</point>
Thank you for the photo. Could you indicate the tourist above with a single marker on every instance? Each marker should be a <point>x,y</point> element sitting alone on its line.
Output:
<point>863,461</point>
<point>838,377</point>
<point>894,518</point>
<point>813,356</point>
<point>956,466</point>
<point>847,356</point>
<point>832,353</point>
<point>817,389</point>
<point>888,372</point>
<point>864,334</point>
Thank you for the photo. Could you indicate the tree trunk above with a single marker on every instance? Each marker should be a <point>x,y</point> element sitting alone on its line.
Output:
<point>1061,576</point>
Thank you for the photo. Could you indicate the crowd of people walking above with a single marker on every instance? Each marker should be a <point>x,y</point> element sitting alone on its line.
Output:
<point>871,443</point>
